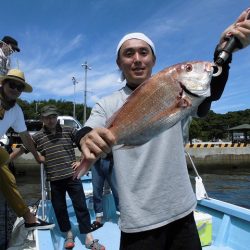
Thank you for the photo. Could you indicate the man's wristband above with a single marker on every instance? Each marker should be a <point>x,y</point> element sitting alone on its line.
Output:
<point>80,134</point>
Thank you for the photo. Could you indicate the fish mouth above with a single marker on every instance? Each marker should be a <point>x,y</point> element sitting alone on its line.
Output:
<point>184,88</point>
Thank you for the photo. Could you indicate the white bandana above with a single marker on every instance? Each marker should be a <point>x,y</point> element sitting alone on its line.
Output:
<point>139,36</point>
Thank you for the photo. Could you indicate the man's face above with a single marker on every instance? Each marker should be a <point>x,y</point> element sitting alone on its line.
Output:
<point>136,61</point>
<point>7,49</point>
<point>49,121</point>
<point>12,89</point>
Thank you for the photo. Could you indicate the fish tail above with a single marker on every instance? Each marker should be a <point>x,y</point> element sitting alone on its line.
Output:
<point>82,169</point>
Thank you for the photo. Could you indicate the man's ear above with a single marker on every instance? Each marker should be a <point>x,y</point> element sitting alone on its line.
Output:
<point>154,59</point>
<point>118,62</point>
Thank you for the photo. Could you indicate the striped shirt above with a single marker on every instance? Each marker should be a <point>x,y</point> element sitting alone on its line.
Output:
<point>58,150</point>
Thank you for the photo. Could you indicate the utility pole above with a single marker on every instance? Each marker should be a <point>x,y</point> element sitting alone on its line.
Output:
<point>37,103</point>
<point>86,67</point>
<point>74,104</point>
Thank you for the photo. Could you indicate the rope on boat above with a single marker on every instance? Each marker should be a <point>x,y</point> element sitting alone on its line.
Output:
<point>200,190</point>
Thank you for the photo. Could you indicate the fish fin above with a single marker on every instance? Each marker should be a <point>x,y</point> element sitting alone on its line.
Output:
<point>116,147</point>
<point>82,169</point>
<point>123,146</point>
<point>184,102</point>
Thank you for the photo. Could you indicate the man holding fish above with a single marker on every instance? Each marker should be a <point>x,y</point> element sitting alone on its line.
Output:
<point>141,124</point>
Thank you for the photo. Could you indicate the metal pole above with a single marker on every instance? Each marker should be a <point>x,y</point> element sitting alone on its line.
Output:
<point>86,67</point>
<point>37,103</point>
<point>74,105</point>
<point>42,190</point>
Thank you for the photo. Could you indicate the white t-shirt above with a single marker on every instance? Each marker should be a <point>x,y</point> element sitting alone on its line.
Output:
<point>13,118</point>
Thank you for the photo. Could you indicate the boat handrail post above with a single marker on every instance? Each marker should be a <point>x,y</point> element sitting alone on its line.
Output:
<point>43,191</point>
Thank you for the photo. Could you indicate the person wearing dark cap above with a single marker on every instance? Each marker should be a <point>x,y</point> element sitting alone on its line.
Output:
<point>8,45</point>
<point>56,144</point>
<point>11,115</point>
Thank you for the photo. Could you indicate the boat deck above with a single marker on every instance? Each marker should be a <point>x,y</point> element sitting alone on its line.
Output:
<point>230,225</point>
<point>108,235</point>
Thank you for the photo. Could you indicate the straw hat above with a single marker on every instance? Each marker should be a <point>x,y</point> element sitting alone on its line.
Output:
<point>17,76</point>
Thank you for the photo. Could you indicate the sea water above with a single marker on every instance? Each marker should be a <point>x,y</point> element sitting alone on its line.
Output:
<point>231,186</point>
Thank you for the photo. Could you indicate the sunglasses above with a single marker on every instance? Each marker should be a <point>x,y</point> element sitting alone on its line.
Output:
<point>19,87</point>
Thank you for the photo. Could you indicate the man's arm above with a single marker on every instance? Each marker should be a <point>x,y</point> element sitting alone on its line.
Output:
<point>95,143</point>
<point>240,29</point>
<point>17,152</point>
<point>217,84</point>
<point>29,145</point>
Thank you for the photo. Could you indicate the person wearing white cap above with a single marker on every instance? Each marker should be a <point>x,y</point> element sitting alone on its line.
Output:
<point>156,199</point>
<point>138,36</point>
<point>11,115</point>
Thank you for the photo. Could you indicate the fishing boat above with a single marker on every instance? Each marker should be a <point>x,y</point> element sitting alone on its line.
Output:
<point>108,235</point>
<point>221,225</point>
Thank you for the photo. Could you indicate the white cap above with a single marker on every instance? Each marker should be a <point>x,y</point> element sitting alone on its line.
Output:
<point>139,36</point>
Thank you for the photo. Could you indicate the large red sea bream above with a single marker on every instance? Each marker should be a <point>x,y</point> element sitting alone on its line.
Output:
<point>159,103</point>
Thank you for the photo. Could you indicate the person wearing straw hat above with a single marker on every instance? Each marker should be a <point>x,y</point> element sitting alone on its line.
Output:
<point>11,115</point>
<point>8,45</point>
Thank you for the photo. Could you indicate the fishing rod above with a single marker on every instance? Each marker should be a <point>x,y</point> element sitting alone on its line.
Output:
<point>232,44</point>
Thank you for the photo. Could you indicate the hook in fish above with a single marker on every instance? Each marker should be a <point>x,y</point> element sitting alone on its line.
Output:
<point>217,70</point>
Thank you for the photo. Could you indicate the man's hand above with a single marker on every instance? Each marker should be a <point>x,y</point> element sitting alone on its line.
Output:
<point>97,143</point>
<point>30,145</point>
<point>75,165</point>
<point>240,29</point>
<point>41,159</point>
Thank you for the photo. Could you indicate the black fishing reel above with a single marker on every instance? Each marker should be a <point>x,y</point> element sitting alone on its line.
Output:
<point>232,44</point>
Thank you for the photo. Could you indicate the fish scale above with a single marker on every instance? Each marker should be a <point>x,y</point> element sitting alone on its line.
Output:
<point>145,109</point>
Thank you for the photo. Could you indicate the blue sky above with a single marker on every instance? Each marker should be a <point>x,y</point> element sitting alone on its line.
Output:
<point>57,36</point>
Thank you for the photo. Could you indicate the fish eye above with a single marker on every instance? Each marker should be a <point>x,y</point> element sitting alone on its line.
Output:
<point>188,67</point>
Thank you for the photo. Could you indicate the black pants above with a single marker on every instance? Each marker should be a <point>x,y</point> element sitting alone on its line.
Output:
<point>76,193</point>
<point>178,235</point>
